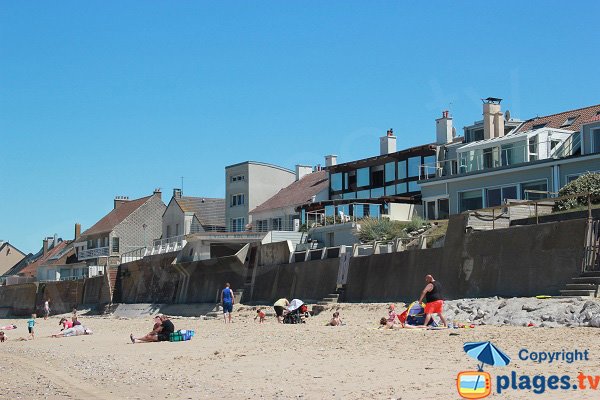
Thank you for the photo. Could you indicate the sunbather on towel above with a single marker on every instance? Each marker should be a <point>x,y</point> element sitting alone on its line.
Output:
<point>78,330</point>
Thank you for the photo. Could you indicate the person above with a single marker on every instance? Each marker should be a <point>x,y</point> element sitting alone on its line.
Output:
<point>160,334</point>
<point>78,330</point>
<point>392,314</point>
<point>279,306</point>
<point>75,321</point>
<point>31,326</point>
<point>432,293</point>
<point>3,337</point>
<point>46,308</point>
<point>227,300</point>
<point>260,314</point>
<point>66,324</point>
<point>335,320</point>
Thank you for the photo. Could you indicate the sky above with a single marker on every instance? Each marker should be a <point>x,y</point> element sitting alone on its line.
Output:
<point>107,98</point>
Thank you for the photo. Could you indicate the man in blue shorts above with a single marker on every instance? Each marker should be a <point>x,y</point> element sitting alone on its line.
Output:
<point>227,300</point>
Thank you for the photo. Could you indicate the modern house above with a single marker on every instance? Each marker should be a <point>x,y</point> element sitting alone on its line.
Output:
<point>185,215</point>
<point>533,160</point>
<point>131,224</point>
<point>248,185</point>
<point>9,256</point>
<point>279,212</point>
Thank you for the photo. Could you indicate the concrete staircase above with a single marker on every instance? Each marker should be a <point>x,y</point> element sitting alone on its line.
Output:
<point>329,300</point>
<point>585,285</point>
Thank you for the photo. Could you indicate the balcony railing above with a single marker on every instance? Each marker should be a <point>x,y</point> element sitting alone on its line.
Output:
<point>341,214</point>
<point>161,246</point>
<point>88,254</point>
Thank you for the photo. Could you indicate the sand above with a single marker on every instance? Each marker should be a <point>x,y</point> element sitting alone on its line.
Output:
<point>246,360</point>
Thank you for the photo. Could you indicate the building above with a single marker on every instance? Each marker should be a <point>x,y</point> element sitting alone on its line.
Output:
<point>9,256</point>
<point>279,213</point>
<point>130,225</point>
<point>26,270</point>
<point>533,160</point>
<point>185,215</point>
<point>248,185</point>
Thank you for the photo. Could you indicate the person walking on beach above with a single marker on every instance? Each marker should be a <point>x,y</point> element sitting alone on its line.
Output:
<point>46,309</point>
<point>432,293</point>
<point>227,300</point>
<point>31,326</point>
<point>279,306</point>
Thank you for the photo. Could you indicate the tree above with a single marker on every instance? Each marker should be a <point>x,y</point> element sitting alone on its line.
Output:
<point>589,182</point>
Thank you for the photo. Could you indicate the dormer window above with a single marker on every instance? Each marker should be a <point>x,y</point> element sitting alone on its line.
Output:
<point>539,126</point>
<point>569,121</point>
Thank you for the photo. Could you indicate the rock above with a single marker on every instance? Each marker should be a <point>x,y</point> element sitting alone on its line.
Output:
<point>595,322</point>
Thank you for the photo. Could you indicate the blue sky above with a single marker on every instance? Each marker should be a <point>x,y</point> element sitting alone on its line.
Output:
<point>109,98</point>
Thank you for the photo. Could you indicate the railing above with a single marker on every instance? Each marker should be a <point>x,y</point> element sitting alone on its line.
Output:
<point>499,157</point>
<point>342,214</point>
<point>88,254</point>
<point>160,246</point>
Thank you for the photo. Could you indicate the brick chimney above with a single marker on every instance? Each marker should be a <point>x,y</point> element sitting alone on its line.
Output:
<point>493,120</point>
<point>158,193</point>
<point>119,200</point>
<point>77,230</point>
<point>443,129</point>
<point>387,143</point>
<point>45,246</point>
<point>177,193</point>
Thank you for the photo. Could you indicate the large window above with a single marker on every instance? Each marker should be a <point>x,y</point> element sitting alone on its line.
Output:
<point>362,177</point>
<point>429,167</point>
<point>402,169</point>
<point>401,188</point>
<point>336,181</point>
<point>238,224</point>
<point>414,163</point>
<point>390,172</point>
<point>443,208</point>
<point>377,176</point>
<point>390,190</point>
<point>237,200</point>
<point>596,140</point>
<point>513,153</point>
<point>413,186</point>
<point>115,245</point>
<point>363,194</point>
<point>470,200</point>
<point>537,186</point>
<point>276,224</point>
<point>376,193</point>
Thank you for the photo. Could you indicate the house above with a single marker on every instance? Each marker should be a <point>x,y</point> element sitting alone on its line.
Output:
<point>130,225</point>
<point>26,270</point>
<point>279,212</point>
<point>248,185</point>
<point>533,160</point>
<point>185,215</point>
<point>9,256</point>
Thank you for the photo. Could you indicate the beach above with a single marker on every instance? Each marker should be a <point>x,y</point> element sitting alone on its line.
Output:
<point>247,360</point>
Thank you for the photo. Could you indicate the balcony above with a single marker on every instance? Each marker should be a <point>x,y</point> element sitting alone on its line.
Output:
<point>161,246</point>
<point>89,254</point>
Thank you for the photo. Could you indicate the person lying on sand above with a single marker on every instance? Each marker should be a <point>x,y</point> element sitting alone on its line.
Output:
<point>78,330</point>
<point>161,334</point>
<point>335,320</point>
<point>8,327</point>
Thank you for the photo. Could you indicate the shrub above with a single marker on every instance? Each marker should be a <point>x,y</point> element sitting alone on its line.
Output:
<point>380,230</point>
<point>416,224</point>
<point>589,182</point>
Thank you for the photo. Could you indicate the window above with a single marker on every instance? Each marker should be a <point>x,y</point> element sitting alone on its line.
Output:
<point>539,126</point>
<point>539,186</point>
<point>532,145</point>
<point>429,167</point>
<point>237,178</point>
<point>377,176</point>
<point>443,208</point>
<point>596,140</point>
<point>237,200</point>
<point>474,135</point>
<point>115,245</point>
<point>336,182</point>
<point>430,209</point>
<point>470,200</point>
<point>569,121</point>
<point>513,153</point>
<point>402,169</point>
<point>238,225</point>
<point>401,188</point>
<point>390,190</point>
<point>363,194</point>
<point>493,197</point>
<point>177,233</point>
<point>509,193</point>
<point>362,177</point>
<point>413,186</point>
<point>276,224</point>
<point>376,193</point>
<point>414,164</point>
<point>349,195</point>
<point>351,176</point>
<point>571,178</point>
<point>168,231</point>
<point>262,225</point>
<point>390,172</point>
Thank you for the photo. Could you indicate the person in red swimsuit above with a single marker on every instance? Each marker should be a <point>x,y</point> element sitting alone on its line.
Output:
<point>435,301</point>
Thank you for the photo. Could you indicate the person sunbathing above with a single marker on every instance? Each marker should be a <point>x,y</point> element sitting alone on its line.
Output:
<point>159,333</point>
<point>78,330</point>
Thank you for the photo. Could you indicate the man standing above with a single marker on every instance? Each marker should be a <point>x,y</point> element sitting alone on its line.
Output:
<point>435,301</point>
<point>279,307</point>
<point>227,300</point>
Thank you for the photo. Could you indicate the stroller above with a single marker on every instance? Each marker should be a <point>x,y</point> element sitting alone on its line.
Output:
<point>296,312</point>
<point>415,315</point>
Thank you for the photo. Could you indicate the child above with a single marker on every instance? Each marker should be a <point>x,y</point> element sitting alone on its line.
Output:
<point>31,325</point>
<point>66,324</point>
<point>335,320</point>
<point>260,314</point>
<point>3,337</point>
<point>392,314</point>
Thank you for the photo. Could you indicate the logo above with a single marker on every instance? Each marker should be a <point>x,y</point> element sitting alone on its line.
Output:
<point>478,384</point>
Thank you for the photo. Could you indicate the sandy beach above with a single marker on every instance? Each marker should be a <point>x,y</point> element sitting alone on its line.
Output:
<point>246,360</point>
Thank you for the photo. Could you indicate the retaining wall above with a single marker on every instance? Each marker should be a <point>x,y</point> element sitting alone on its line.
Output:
<point>18,300</point>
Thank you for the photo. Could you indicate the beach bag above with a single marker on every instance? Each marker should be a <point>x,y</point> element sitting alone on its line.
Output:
<point>181,335</point>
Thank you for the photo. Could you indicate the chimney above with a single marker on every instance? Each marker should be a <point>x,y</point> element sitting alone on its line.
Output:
<point>330,160</point>
<point>158,193</point>
<point>77,230</point>
<point>45,246</point>
<point>493,120</point>
<point>387,143</point>
<point>55,240</point>
<point>302,171</point>
<point>177,193</point>
<point>120,200</point>
<point>443,129</point>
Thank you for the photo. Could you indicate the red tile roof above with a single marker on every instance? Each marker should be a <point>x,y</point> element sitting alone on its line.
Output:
<point>31,269</point>
<point>557,121</point>
<point>298,193</point>
<point>593,119</point>
<point>116,216</point>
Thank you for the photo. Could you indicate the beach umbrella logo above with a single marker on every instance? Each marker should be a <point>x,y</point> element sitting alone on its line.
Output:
<point>478,384</point>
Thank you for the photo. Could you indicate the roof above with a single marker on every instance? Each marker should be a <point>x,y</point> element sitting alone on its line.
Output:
<point>262,164</point>
<point>31,269</point>
<point>298,193</point>
<point>6,244</point>
<point>210,212</point>
<point>116,216</point>
<point>580,116</point>
<point>595,118</point>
